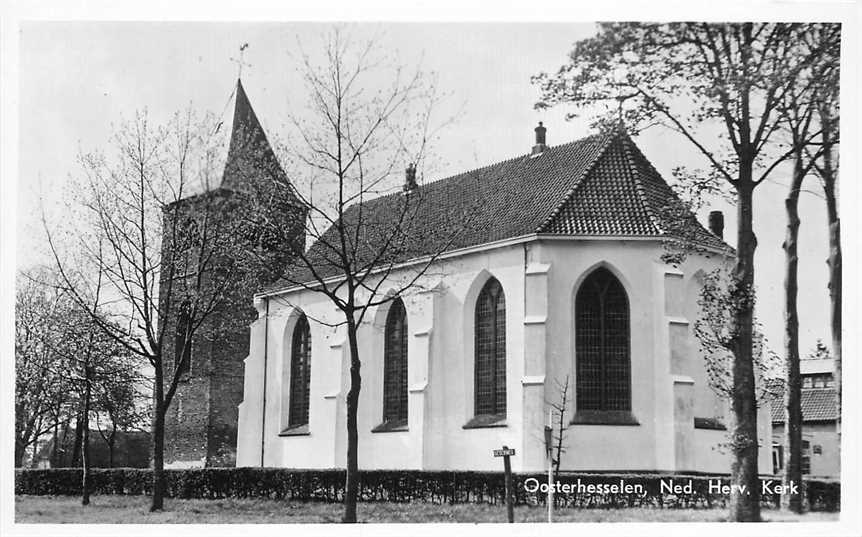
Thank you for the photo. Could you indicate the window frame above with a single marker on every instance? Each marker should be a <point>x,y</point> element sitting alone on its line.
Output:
<point>603,396</point>
<point>183,353</point>
<point>805,459</point>
<point>489,403</point>
<point>395,368</point>
<point>299,410</point>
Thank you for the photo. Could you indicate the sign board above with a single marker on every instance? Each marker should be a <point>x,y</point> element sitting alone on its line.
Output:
<point>507,470</point>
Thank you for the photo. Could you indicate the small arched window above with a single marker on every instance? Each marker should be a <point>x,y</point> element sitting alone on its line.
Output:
<point>603,369</point>
<point>300,374</point>
<point>490,334</point>
<point>395,364</point>
<point>182,340</point>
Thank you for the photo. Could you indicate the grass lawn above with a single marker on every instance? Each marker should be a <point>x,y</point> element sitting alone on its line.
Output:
<point>133,510</point>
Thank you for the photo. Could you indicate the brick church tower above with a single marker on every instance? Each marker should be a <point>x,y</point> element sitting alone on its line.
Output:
<point>201,422</point>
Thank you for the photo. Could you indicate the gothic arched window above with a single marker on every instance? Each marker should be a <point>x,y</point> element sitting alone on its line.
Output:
<point>300,374</point>
<point>182,343</point>
<point>395,364</point>
<point>603,370</point>
<point>490,333</point>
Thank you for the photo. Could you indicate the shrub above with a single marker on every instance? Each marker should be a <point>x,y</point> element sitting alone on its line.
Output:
<point>823,495</point>
<point>401,486</point>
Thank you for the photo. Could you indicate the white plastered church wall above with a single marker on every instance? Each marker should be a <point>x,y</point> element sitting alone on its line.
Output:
<point>540,280</point>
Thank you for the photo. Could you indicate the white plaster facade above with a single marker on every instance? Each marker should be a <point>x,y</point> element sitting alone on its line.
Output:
<point>540,275</point>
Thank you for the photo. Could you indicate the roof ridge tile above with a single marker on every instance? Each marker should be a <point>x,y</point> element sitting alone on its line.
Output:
<point>629,148</point>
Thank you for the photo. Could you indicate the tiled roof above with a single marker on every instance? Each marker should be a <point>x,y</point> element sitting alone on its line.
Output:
<point>818,404</point>
<point>601,185</point>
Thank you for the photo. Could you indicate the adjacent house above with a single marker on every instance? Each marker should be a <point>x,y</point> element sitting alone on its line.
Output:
<point>821,454</point>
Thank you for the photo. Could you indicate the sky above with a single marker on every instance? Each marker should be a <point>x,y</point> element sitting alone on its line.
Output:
<point>79,80</point>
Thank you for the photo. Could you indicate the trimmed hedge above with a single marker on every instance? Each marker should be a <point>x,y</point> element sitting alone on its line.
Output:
<point>403,486</point>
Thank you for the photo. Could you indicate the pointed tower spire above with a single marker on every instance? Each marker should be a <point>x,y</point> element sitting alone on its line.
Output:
<point>250,160</point>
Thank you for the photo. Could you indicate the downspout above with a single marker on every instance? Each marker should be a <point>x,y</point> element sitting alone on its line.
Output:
<point>265,356</point>
<point>526,256</point>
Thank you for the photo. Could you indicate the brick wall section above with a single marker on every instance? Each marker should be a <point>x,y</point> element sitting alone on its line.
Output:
<point>226,384</point>
<point>187,418</point>
<point>201,423</point>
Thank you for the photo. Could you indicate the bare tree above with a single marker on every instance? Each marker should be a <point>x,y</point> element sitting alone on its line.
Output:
<point>119,403</point>
<point>685,75</point>
<point>156,206</point>
<point>43,399</point>
<point>558,437</point>
<point>80,358</point>
<point>368,117</point>
<point>828,112</point>
<point>799,111</point>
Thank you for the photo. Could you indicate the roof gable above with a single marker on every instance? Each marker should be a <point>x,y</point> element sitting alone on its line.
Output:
<point>624,195</point>
<point>606,202</point>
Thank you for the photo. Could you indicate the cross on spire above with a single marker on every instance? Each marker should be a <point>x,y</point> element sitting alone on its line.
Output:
<point>240,62</point>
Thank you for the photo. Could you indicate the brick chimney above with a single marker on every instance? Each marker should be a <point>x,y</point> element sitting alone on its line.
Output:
<point>716,223</point>
<point>540,139</point>
<point>410,178</point>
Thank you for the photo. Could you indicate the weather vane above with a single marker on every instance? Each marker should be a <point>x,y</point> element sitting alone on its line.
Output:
<point>240,62</point>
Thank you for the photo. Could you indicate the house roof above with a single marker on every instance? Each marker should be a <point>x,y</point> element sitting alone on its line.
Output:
<point>601,185</point>
<point>818,404</point>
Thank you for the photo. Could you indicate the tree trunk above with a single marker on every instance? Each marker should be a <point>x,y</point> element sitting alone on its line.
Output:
<point>85,441</point>
<point>20,451</point>
<point>76,449</point>
<point>834,262</point>
<point>835,311</point>
<point>63,456</point>
<point>351,487</point>
<point>33,462</point>
<point>157,431</point>
<point>793,381</point>
<point>829,175</point>
<point>745,494</point>
<point>561,427</point>
<point>55,438</point>
<point>111,442</point>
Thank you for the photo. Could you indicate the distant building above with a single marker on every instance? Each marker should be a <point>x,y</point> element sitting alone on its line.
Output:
<point>821,454</point>
<point>131,450</point>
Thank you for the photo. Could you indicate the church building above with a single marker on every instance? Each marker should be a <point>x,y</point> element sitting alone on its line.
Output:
<point>559,274</point>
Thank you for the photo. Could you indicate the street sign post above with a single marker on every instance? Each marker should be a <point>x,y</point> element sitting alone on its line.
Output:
<point>506,453</point>
<point>549,451</point>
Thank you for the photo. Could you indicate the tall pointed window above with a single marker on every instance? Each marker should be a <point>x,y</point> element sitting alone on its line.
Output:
<point>602,344</point>
<point>395,365</point>
<point>182,343</point>
<point>490,375</point>
<point>300,374</point>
